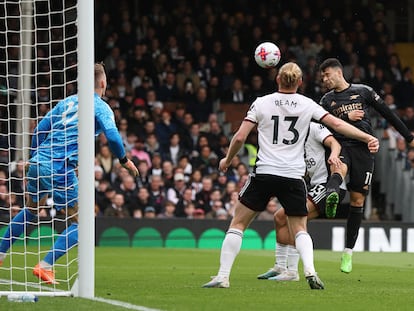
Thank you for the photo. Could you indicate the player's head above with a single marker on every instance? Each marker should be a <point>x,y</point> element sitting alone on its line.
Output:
<point>100,79</point>
<point>331,73</point>
<point>289,77</point>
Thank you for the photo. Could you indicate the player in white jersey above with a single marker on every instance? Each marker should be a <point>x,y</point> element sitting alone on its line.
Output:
<point>282,119</point>
<point>317,160</point>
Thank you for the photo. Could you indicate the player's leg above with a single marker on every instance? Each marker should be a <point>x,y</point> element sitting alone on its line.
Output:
<point>231,245</point>
<point>360,176</point>
<point>293,256</point>
<point>253,199</point>
<point>283,238</point>
<point>304,245</point>
<point>333,189</point>
<point>65,199</point>
<point>37,196</point>
<point>355,216</point>
<point>294,202</point>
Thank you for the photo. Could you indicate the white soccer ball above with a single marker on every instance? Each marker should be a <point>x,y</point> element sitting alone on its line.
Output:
<point>267,55</point>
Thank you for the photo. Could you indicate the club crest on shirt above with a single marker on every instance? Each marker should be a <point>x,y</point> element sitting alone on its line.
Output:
<point>352,97</point>
<point>333,103</point>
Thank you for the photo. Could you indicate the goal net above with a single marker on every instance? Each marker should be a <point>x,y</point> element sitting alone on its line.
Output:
<point>38,67</point>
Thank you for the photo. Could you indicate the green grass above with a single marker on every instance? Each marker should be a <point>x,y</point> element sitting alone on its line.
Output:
<point>171,279</point>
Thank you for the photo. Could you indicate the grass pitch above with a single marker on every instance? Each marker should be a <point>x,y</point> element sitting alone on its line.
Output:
<point>171,279</point>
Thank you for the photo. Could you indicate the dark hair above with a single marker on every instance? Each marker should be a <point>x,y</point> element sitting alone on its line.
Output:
<point>330,62</point>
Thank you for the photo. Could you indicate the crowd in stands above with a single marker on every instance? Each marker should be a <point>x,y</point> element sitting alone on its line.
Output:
<point>192,55</point>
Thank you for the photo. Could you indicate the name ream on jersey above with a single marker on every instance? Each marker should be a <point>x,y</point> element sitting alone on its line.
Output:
<point>285,103</point>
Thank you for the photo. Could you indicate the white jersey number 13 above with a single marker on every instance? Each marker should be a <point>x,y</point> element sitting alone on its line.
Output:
<point>291,129</point>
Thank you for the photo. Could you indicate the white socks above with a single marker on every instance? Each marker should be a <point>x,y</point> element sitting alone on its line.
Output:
<point>293,259</point>
<point>229,250</point>
<point>281,254</point>
<point>304,245</point>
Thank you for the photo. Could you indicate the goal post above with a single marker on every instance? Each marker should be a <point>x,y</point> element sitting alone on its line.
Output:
<point>48,55</point>
<point>86,153</point>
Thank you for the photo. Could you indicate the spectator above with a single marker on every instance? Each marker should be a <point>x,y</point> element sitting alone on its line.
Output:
<point>196,180</point>
<point>202,197</point>
<point>123,131</point>
<point>230,204</point>
<point>138,151</point>
<point>408,118</point>
<point>17,182</point>
<point>268,213</point>
<point>137,121</point>
<point>168,211</point>
<point>206,161</point>
<point>129,190</point>
<point>165,128</point>
<point>221,214</point>
<point>216,205</point>
<point>168,173</point>
<point>150,212</point>
<point>404,90</point>
<point>189,210</point>
<point>186,198</point>
<point>255,88</point>
<point>187,79</point>
<point>173,151</point>
<point>228,77</point>
<point>200,106</point>
<point>174,193</point>
<point>105,160</point>
<point>157,193</point>
<point>194,137</point>
<point>143,179</point>
<point>98,175</point>
<point>168,91</point>
<point>152,101</point>
<point>146,85</point>
<point>4,193</point>
<point>117,208</point>
<point>156,168</point>
<point>199,214</point>
<point>151,145</point>
<point>105,195</point>
<point>141,203</point>
<point>235,94</point>
<point>185,164</point>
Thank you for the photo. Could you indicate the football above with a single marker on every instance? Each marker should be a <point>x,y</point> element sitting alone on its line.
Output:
<point>267,55</point>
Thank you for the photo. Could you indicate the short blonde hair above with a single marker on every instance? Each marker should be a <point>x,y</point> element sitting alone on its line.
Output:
<point>289,75</point>
<point>99,74</point>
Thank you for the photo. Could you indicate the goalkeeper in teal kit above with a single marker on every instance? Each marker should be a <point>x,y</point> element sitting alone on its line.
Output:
<point>52,171</point>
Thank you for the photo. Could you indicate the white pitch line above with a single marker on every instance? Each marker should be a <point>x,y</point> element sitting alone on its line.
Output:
<point>123,304</point>
<point>59,292</point>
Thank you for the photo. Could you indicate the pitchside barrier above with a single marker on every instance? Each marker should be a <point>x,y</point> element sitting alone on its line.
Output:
<point>186,233</point>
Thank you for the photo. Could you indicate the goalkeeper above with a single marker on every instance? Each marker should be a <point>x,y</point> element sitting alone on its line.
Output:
<point>52,171</point>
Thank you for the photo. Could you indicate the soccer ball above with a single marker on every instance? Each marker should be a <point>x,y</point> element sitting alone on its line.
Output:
<point>267,55</point>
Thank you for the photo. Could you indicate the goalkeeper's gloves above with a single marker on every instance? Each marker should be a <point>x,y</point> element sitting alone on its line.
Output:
<point>130,166</point>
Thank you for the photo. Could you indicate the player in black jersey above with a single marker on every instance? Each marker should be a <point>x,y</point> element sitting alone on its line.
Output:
<point>351,103</point>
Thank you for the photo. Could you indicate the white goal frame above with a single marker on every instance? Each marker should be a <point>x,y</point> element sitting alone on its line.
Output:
<point>84,286</point>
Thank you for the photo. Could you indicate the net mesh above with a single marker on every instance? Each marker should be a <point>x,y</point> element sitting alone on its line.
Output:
<point>38,67</point>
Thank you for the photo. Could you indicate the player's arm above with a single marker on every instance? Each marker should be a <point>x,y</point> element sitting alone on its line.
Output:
<point>106,122</point>
<point>335,148</point>
<point>351,131</point>
<point>379,105</point>
<point>236,143</point>
<point>117,148</point>
<point>41,131</point>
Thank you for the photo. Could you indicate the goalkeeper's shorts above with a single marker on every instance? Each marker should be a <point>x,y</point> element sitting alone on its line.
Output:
<point>58,182</point>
